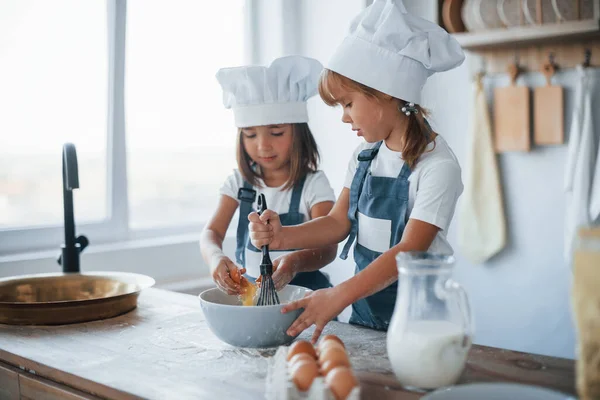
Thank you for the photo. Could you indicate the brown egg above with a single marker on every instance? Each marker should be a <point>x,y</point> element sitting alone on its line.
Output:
<point>328,343</point>
<point>304,373</point>
<point>327,366</point>
<point>341,381</point>
<point>332,337</point>
<point>333,353</point>
<point>300,357</point>
<point>301,346</point>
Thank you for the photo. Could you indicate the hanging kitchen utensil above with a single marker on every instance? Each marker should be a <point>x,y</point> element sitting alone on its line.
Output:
<point>548,109</point>
<point>511,115</point>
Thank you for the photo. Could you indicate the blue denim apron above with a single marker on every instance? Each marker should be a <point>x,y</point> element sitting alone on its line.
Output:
<point>382,198</point>
<point>313,280</point>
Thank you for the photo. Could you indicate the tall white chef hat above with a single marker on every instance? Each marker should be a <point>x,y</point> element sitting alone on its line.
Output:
<point>270,95</point>
<point>395,52</point>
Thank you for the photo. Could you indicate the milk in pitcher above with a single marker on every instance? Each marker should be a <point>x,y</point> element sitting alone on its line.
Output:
<point>428,354</point>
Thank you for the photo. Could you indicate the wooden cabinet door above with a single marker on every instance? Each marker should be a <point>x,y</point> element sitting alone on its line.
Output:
<point>33,388</point>
<point>9,383</point>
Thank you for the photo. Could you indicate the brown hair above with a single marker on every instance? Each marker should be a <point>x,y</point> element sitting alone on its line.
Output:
<point>304,157</point>
<point>417,135</point>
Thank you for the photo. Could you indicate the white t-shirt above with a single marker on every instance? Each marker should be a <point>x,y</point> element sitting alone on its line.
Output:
<point>316,190</point>
<point>434,188</point>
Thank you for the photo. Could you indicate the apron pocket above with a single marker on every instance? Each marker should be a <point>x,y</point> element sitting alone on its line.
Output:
<point>373,233</point>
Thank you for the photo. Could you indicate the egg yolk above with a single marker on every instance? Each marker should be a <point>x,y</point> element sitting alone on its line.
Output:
<point>247,292</point>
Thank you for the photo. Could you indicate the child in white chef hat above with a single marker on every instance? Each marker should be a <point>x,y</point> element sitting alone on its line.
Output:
<point>402,185</point>
<point>277,155</point>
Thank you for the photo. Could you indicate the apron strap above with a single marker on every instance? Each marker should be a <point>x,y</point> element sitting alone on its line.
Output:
<point>404,172</point>
<point>297,195</point>
<point>246,195</point>
<point>364,162</point>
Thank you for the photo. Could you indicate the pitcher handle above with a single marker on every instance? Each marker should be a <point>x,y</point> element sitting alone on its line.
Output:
<point>459,293</point>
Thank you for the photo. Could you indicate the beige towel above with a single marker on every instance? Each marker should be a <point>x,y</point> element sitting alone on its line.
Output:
<point>482,227</point>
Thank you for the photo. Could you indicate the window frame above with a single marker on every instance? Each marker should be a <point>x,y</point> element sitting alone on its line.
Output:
<point>115,228</point>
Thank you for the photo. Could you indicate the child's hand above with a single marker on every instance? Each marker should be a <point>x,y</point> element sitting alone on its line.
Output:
<point>284,270</point>
<point>227,276</point>
<point>320,307</point>
<point>265,229</point>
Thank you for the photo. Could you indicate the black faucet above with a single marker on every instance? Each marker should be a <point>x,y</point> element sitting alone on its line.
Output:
<point>69,257</point>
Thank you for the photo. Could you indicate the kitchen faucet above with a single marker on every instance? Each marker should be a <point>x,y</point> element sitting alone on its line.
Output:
<point>70,178</point>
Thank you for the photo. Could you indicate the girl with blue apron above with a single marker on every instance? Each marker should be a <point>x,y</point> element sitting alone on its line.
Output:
<point>275,148</point>
<point>383,63</point>
<point>314,279</point>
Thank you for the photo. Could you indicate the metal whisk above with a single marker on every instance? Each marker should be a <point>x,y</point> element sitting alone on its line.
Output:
<point>268,294</point>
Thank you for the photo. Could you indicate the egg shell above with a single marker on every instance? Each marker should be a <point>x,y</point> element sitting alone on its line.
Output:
<point>301,346</point>
<point>329,343</point>
<point>327,366</point>
<point>303,374</point>
<point>333,338</point>
<point>333,353</point>
<point>300,357</point>
<point>341,381</point>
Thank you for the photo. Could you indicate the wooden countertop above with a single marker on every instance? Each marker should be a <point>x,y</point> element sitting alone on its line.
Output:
<point>164,349</point>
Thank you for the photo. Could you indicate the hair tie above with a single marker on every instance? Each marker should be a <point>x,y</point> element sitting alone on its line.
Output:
<point>409,108</point>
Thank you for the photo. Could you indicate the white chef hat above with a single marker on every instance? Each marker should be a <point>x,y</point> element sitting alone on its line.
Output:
<point>270,95</point>
<point>395,52</point>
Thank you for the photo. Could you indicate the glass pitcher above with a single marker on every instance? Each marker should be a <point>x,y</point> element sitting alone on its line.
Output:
<point>431,330</point>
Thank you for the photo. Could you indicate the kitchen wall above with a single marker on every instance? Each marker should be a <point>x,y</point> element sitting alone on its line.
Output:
<point>520,298</point>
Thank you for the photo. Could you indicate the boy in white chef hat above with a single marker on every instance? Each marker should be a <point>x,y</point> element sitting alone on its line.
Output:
<point>277,155</point>
<point>402,185</point>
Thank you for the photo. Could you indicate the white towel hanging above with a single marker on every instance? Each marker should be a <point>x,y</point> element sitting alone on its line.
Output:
<point>482,226</point>
<point>595,189</point>
<point>580,162</point>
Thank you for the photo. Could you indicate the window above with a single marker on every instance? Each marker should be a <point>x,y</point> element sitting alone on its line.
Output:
<point>180,139</point>
<point>53,80</point>
<point>132,84</point>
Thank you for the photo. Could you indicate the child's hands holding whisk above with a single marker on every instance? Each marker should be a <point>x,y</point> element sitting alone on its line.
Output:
<point>265,229</point>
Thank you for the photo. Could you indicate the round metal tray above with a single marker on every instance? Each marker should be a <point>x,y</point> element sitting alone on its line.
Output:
<point>66,298</point>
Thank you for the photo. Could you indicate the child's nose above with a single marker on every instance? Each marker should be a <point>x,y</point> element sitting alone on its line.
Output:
<point>264,142</point>
<point>346,118</point>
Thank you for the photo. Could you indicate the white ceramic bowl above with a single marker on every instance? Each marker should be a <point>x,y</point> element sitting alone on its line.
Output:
<point>240,326</point>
